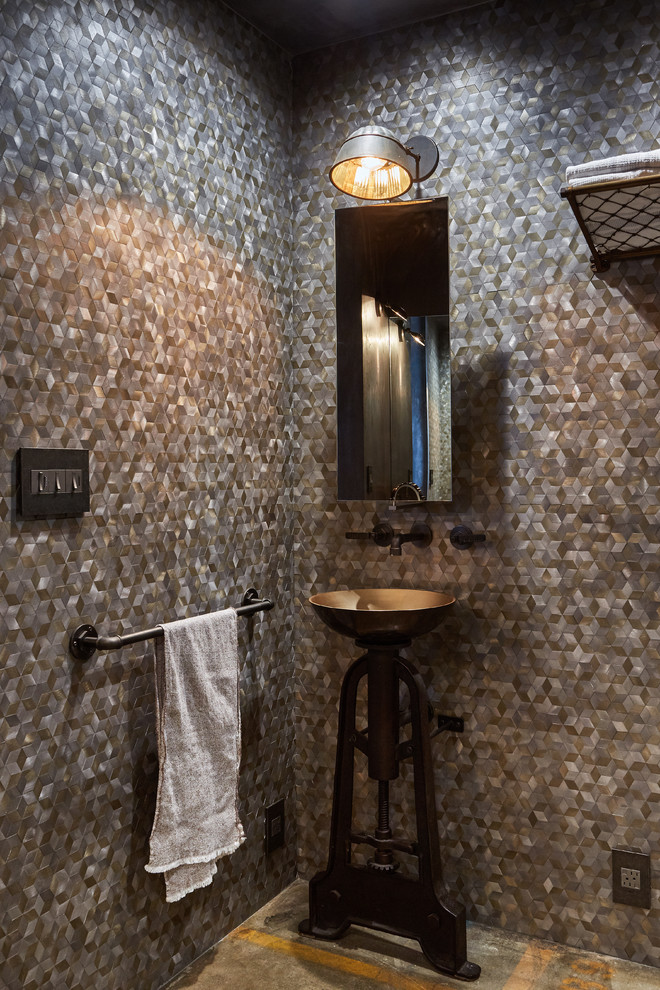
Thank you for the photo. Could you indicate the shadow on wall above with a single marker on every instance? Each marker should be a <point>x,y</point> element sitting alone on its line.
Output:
<point>106,747</point>
<point>633,279</point>
<point>141,732</point>
<point>480,424</point>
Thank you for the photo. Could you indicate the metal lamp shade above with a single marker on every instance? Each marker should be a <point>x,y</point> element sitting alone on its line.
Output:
<point>357,171</point>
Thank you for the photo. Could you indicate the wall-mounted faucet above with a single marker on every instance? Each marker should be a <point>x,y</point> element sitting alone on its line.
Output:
<point>420,535</point>
<point>384,536</point>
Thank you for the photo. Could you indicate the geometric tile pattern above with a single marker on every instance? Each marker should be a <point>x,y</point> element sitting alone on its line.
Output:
<point>144,300</point>
<point>552,650</point>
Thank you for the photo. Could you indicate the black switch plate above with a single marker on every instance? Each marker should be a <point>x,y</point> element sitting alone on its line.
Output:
<point>631,878</point>
<point>275,826</point>
<point>52,483</point>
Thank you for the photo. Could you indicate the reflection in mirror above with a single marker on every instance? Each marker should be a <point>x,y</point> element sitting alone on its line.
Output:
<point>393,350</point>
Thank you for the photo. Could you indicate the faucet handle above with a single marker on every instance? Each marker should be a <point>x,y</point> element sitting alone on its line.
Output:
<point>381,534</point>
<point>462,536</point>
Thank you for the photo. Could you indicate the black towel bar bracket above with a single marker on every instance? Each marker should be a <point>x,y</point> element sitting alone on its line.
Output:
<point>85,640</point>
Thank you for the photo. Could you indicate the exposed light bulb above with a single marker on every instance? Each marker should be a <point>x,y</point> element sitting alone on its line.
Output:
<point>371,164</point>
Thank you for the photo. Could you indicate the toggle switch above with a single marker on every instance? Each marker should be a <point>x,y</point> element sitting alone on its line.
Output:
<point>54,482</point>
<point>73,481</point>
<point>42,482</point>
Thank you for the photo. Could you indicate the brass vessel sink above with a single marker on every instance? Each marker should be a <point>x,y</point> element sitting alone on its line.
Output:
<point>381,615</point>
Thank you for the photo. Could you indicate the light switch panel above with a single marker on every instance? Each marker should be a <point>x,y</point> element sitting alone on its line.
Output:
<point>52,482</point>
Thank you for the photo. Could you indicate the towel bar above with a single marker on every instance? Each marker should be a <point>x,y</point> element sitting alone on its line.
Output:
<point>85,641</point>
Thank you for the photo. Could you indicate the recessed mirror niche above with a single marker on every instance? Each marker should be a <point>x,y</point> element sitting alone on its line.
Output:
<point>393,350</point>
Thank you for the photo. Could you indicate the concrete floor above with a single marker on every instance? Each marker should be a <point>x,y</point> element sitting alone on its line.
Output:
<point>267,953</point>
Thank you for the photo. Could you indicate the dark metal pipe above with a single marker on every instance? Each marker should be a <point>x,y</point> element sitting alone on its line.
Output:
<point>85,640</point>
<point>382,715</point>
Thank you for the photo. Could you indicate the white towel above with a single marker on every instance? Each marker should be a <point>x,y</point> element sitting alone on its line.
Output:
<point>199,751</point>
<point>594,180</point>
<point>605,168</point>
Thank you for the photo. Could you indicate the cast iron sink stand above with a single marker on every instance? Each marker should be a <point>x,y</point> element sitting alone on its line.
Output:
<point>376,896</point>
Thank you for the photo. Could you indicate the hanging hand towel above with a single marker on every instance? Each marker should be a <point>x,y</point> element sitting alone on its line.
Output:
<point>199,733</point>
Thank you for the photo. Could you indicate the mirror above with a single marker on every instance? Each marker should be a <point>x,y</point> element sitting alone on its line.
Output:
<point>393,350</point>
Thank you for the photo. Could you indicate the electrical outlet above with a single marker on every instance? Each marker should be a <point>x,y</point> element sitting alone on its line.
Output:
<point>275,826</point>
<point>631,878</point>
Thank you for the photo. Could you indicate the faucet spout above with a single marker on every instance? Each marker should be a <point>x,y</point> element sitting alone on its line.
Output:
<point>420,535</point>
<point>395,545</point>
<point>400,538</point>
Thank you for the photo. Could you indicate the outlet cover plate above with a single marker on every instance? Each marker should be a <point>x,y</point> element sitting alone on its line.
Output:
<point>631,878</point>
<point>274,826</point>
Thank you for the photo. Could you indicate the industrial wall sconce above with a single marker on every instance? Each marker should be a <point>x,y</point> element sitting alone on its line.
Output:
<point>373,164</point>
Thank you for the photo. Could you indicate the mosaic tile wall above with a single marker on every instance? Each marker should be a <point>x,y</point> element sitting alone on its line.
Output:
<point>144,297</point>
<point>552,650</point>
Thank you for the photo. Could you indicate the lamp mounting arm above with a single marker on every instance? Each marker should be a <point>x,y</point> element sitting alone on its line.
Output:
<point>425,152</point>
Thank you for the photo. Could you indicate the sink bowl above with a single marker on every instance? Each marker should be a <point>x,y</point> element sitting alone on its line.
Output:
<point>381,615</point>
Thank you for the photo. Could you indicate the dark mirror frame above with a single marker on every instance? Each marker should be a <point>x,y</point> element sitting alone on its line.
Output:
<point>398,254</point>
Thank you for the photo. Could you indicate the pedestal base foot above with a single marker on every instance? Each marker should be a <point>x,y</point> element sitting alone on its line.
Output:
<point>390,903</point>
<point>325,934</point>
<point>466,972</point>
<point>469,971</point>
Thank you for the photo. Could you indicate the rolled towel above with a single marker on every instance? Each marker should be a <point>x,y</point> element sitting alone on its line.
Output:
<point>199,750</point>
<point>642,160</point>
<point>593,180</point>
